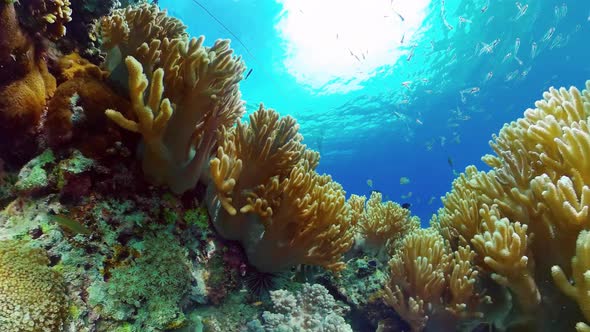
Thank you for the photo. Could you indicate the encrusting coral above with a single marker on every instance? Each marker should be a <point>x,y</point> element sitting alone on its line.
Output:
<point>272,200</point>
<point>32,295</point>
<point>310,309</point>
<point>193,93</point>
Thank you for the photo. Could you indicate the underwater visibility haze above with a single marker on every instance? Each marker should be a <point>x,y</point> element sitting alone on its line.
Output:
<point>294,165</point>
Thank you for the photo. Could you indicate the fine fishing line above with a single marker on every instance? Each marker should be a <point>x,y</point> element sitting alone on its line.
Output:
<point>226,28</point>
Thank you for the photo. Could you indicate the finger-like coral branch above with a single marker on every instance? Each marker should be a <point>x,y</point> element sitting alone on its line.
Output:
<point>579,291</point>
<point>201,82</point>
<point>505,250</point>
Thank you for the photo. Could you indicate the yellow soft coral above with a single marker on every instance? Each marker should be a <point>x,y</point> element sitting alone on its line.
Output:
<point>580,290</point>
<point>524,215</point>
<point>127,31</point>
<point>504,246</point>
<point>32,295</point>
<point>273,202</point>
<point>428,280</point>
<point>383,223</point>
<point>193,91</point>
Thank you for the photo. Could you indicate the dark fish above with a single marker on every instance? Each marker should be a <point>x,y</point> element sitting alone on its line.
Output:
<point>450,162</point>
<point>406,206</point>
<point>249,72</point>
<point>375,191</point>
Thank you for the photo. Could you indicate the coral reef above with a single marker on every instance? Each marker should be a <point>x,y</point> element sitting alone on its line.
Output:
<point>310,309</point>
<point>150,288</point>
<point>231,206</point>
<point>272,200</point>
<point>31,293</point>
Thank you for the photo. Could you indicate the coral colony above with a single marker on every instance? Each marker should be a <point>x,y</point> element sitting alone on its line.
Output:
<point>133,198</point>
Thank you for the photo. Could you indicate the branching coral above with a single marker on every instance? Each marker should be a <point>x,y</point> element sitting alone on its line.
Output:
<point>193,93</point>
<point>429,280</point>
<point>383,223</point>
<point>32,295</point>
<point>273,201</point>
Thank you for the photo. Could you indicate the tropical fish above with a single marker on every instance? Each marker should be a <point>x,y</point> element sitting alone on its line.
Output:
<point>404,180</point>
<point>70,224</point>
<point>248,74</point>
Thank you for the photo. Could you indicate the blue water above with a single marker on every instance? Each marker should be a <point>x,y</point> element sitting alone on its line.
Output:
<point>425,113</point>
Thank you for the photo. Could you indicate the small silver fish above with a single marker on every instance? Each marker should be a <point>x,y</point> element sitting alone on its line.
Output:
<point>521,10</point>
<point>533,50</point>
<point>548,34</point>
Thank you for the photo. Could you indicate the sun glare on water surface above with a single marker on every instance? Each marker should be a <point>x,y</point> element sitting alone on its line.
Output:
<point>332,46</point>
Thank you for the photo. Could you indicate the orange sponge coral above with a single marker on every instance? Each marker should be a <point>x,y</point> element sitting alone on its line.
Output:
<point>25,83</point>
